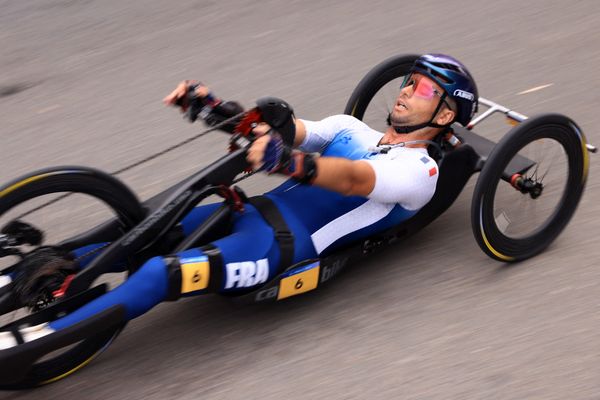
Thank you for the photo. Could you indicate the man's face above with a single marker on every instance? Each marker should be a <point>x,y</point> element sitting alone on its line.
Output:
<point>416,101</point>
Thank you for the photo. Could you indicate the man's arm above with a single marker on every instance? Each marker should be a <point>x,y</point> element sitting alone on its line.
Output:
<point>348,177</point>
<point>220,110</point>
<point>300,133</point>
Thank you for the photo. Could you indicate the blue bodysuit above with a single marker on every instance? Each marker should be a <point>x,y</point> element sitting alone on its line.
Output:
<point>320,220</point>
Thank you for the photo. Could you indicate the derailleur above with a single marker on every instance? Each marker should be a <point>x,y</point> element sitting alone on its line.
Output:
<point>42,276</point>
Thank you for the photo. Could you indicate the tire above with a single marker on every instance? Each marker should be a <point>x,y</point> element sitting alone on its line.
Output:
<point>509,239</point>
<point>66,363</point>
<point>360,102</point>
<point>74,180</point>
<point>128,210</point>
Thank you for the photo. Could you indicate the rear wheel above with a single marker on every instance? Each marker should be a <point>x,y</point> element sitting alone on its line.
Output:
<point>516,217</point>
<point>46,232</point>
<point>375,95</point>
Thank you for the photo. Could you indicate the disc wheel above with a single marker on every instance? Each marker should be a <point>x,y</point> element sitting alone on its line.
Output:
<point>375,95</point>
<point>516,217</point>
<point>93,195</point>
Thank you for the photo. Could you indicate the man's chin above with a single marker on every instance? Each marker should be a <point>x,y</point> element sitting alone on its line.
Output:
<point>397,120</point>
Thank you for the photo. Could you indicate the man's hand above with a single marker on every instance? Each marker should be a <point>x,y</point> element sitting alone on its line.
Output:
<point>270,154</point>
<point>256,152</point>
<point>180,96</point>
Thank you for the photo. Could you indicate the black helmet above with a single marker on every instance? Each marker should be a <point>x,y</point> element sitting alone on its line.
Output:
<point>454,78</point>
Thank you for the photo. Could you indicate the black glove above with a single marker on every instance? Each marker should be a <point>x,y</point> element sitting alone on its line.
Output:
<point>209,108</point>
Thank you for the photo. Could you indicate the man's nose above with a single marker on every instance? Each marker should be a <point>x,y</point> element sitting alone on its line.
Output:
<point>406,90</point>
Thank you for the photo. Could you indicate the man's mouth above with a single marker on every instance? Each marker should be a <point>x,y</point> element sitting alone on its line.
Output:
<point>401,105</point>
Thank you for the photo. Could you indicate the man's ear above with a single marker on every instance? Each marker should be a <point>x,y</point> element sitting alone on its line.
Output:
<point>445,116</point>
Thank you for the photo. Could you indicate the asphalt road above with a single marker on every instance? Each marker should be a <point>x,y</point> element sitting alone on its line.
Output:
<point>432,318</point>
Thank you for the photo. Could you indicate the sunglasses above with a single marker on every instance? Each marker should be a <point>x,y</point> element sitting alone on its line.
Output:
<point>422,87</point>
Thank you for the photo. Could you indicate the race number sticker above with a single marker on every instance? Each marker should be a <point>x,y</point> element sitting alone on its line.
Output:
<point>194,274</point>
<point>299,281</point>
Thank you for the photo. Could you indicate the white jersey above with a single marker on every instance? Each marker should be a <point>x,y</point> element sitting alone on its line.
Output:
<point>403,175</point>
<point>405,180</point>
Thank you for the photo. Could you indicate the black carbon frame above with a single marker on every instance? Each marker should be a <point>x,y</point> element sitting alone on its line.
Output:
<point>179,200</point>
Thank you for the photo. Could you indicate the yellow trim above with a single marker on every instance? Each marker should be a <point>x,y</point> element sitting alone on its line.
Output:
<point>77,368</point>
<point>485,240</point>
<point>354,108</point>
<point>83,364</point>
<point>584,149</point>
<point>586,158</point>
<point>22,183</point>
<point>494,251</point>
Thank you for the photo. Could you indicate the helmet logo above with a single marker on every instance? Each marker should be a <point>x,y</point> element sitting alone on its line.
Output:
<point>463,94</point>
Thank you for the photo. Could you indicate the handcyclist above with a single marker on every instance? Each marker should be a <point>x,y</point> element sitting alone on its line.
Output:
<point>348,182</point>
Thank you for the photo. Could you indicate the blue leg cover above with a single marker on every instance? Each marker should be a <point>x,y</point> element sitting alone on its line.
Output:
<point>142,291</point>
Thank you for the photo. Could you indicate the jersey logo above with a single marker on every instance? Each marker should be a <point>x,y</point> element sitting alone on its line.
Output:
<point>344,139</point>
<point>247,273</point>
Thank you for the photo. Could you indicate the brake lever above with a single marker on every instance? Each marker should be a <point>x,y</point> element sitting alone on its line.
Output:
<point>7,247</point>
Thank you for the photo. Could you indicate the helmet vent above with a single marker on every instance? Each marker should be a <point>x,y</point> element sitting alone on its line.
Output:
<point>450,67</point>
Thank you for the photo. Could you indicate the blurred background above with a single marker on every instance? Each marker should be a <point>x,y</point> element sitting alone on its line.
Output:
<point>433,318</point>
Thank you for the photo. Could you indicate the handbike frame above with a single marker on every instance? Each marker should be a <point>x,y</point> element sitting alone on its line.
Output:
<point>178,201</point>
<point>169,207</point>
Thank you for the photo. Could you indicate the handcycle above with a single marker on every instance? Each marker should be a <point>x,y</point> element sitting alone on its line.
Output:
<point>545,157</point>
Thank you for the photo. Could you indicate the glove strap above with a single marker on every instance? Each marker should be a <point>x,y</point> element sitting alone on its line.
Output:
<point>301,166</point>
<point>296,164</point>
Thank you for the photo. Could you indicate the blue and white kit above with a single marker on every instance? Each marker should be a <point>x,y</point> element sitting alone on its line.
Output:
<point>320,220</point>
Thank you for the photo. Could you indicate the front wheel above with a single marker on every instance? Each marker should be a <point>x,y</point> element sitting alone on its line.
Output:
<point>516,217</point>
<point>36,225</point>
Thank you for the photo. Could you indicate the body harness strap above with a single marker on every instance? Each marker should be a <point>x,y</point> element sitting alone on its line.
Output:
<point>283,235</point>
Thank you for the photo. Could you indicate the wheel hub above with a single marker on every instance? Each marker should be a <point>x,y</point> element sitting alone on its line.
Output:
<point>527,185</point>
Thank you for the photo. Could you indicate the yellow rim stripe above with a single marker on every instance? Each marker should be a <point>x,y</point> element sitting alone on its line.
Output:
<point>78,367</point>
<point>494,251</point>
<point>22,183</point>
<point>485,240</point>
<point>586,156</point>
<point>586,159</point>
<point>354,108</point>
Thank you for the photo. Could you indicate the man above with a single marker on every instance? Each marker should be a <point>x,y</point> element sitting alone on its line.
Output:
<point>362,182</point>
<point>392,183</point>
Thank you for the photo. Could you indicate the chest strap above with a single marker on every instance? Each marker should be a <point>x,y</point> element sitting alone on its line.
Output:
<point>283,235</point>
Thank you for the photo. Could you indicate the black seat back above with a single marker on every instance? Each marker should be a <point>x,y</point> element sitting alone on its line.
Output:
<point>455,168</point>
